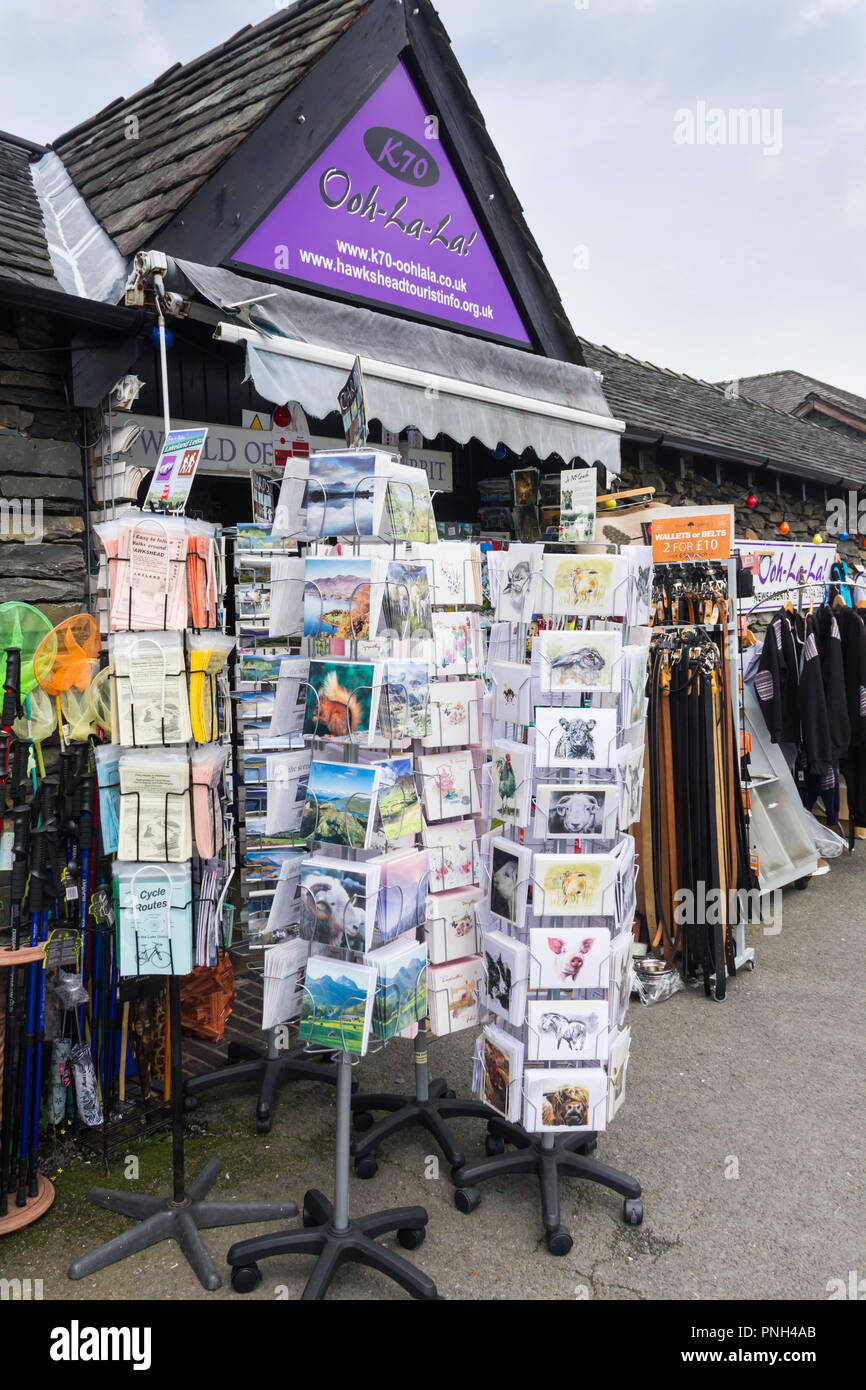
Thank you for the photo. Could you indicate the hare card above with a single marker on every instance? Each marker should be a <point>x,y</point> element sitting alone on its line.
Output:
<point>583,662</point>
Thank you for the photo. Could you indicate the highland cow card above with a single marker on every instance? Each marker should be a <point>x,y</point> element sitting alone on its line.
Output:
<point>572,737</point>
<point>563,1099</point>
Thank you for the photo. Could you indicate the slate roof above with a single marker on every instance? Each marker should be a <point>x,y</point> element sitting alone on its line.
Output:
<point>192,118</point>
<point>789,390</point>
<point>698,416</point>
<point>23,249</point>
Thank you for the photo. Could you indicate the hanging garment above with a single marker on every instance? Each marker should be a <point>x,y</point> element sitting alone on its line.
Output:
<point>823,626</point>
<point>853,767</point>
<point>778,680</point>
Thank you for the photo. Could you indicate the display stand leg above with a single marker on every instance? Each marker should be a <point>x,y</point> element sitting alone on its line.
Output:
<point>332,1235</point>
<point>269,1069</point>
<point>550,1157</point>
<point>181,1216</point>
<point>432,1105</point>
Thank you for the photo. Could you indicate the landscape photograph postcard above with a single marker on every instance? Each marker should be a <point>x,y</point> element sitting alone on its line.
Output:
<point>342,699</point>
<point>590,585</point>
<point>338,903</point>
<point>401,991</point>
<point>403,898</point>
<point>340,803</point>
<point>337,596</point>
<point>399,803</point>
<point>409,509</point>
<point>566,1030</point>
<point>340,495</point>
<point>337,1005</point>
<point>585,662</point>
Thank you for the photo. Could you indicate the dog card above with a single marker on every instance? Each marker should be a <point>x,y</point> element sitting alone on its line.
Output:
<point>506,971</point>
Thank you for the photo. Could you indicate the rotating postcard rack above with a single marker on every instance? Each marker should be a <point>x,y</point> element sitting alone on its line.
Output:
<point>330,1232</point>
<point>553,1065</point>
<point>154,925</point>
<point>251,553</point>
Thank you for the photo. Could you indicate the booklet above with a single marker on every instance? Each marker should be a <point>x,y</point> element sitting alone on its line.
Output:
<point>153,911</point>
<point>284,969</point>
<point>147,568</point>
<point>207,765</point>
<point>151,690</point>
<point>290,698</point>
<point>287,776</point>
<point>338,1003</point>
<point>155,821</point>
<point>285,618</point>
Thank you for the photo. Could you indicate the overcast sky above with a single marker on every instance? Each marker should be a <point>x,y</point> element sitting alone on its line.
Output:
<point>718,259</point>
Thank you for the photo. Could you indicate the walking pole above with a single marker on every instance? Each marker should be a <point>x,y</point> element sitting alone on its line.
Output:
<point>12,1071</point>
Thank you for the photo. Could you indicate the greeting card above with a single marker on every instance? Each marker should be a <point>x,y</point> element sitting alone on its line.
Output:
<point>564,1099</point>
<point>501,1065</point>
<point>584,662</point>
<point>451,926</point>
<point>569,957</point>
<point>566,1030</point>
<point>450,784</point>
<point>568,885</point>
<point>455,713</point>
<point>587,585</point>
<point>565,811</point>
<point>453,854</point>
<point>575,738</point>
<point>506,970</point>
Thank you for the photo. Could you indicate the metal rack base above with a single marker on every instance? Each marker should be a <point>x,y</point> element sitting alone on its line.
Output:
<point>404,1111</point>
<point>550,1157</point>
<point>357,1243</point>
<point>162,1218</point>
<point>269,1070</point>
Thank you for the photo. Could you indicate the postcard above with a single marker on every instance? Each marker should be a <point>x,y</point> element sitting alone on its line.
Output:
<point>571,737</point>
<point>343,495</point>
<point>453,992</point>
<point>404,705</point>
<point>501,1058</point>
<point>510,782</point>
<point>342,699</point>
<point>450,784</point>
<point>453,853</point>
<point>401,990</point>
<point>455,713</point>
<point>617,1069</point>
<point>515,577</point>
<point>338,902</point>
<point>457,644</point>
<point>403,883</point>
<point>577,493</point>
<point>456,573</point>
<point>583,811</point>
<point>407,599</point>
<point>508,875</point>
<point>341,799</point>
<point>621,956</point>
<point>562,1099</point>
<point>342,596</point>
<point>569,957</point>
<point>398,800</point>
<point>506,969</point>
<point>569,885</point>
<point>630,770</point>
<point>512,691</point>
<point>585,662</point>
<point>338,1004</point>
<point>585,585</point>
<point>639,560</point>
<point>567,1030</point>
<point>634,680</point>
<point>625,897</point>
<point>287,776</point>
<point>452,924</point>
<point>408,506</point>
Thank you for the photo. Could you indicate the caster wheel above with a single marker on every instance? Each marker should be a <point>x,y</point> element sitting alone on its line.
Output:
<point>190,1103</point>
<point>802,884</point>
<point>367,1166</point>
<point>363,1120</point>
<point>589,1147</point>
<point>559,1242</point>
<point>411,1240</point>
<point>308,1219</point>
<point>632,1211</point>
<point>245,1278</point>
<point>263,1124</point>
<point>466,1199</point>
<point>493,1145</point>
<point>449,1095</point>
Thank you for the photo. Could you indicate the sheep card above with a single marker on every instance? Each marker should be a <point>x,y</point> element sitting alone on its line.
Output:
<point>457,644</point>
<point>575,738</point>
<point>338,1004</point>
<point>619,987</point>
<point>455,713</point>
<point>512,691</point>
<point>573,885</point>
<point>453,853</point>
<point>404,704</point>
<point>567,1030</point>
<point>517,574</point>
<point>508,871</point>
<point>510,782</point>
<point>506,971</point>
<point>402,897</point>
<point>559,1099</point>
<point>450,784</point>
<point>589,585</point>
<point>617,1068</point>
<point>633,675</point>
<point>501,1058</point>
<point>565,812</point>
<point>342,699</point>
<point>569,957</point>
<point>341,800</point>
<point>584,662</point>
<point>639,563</point>
<point>338,902</point>
<point>398,802</point>
<point>453,991</point>
<point>452,924</point>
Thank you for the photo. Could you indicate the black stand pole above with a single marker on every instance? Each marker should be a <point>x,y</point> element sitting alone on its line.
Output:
<point>181,1216</point>
<point>270,1069</point>
<point>550,1157</point>
<point>330,1232</point>
<point>432,1104</point>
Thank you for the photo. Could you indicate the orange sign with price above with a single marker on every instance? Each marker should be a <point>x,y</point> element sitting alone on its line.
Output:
<point>702,534</point>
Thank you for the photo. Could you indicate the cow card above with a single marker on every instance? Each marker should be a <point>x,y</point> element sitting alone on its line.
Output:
<point>562,1099</point>
<point>567,1030</point>
<point>591,585</point>
<point>567,737</point>
<point>565,812</point>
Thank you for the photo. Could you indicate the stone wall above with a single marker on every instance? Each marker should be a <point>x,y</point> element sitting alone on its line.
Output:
<point>42,529</point>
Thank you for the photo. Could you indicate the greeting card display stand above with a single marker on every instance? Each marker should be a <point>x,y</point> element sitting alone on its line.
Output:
<point>185,1213</point>
<point>335,1237</point>
<point>431,1106</point>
